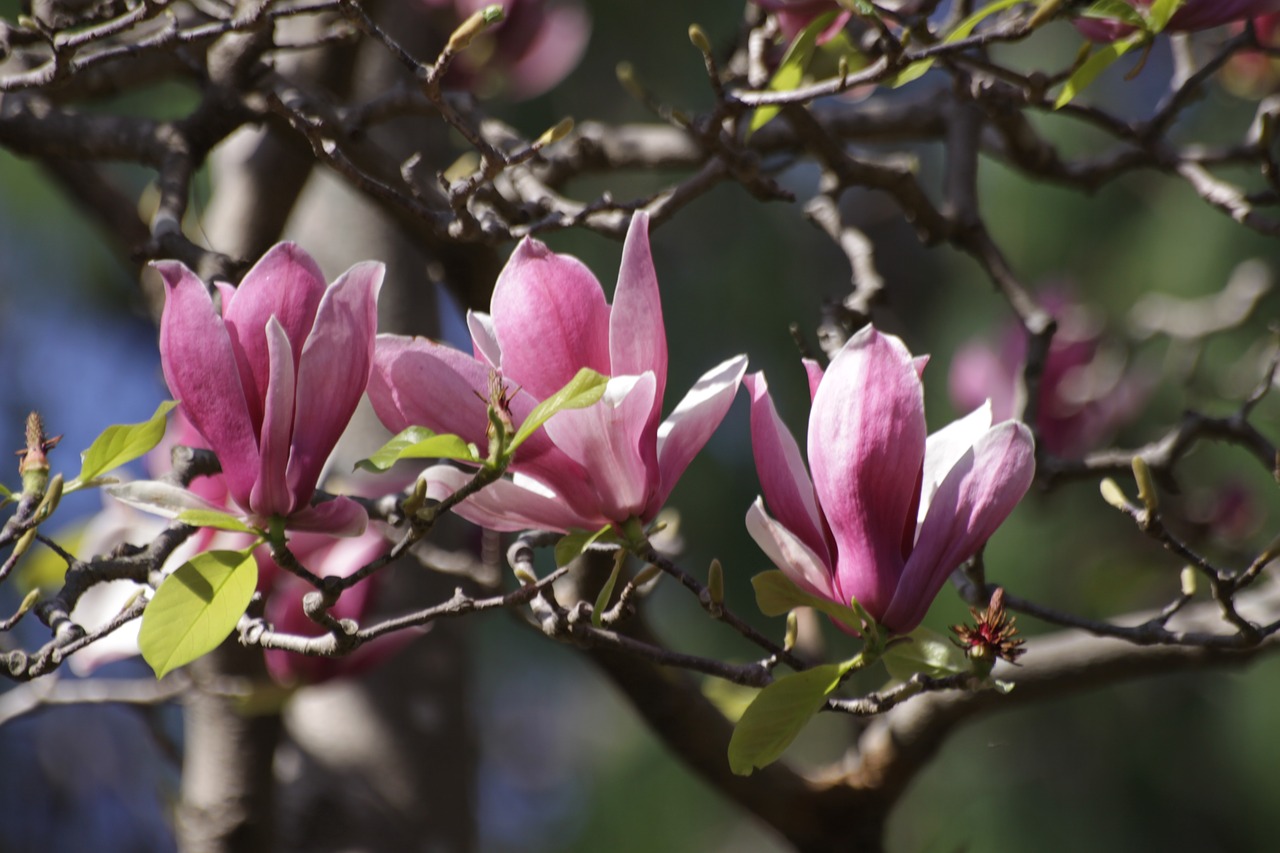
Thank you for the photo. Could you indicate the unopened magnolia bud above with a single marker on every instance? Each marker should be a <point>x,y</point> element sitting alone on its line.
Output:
<point>52,496</point>
<point>627,77</point>
<point>699,38</point>
<point>645,575</point>
<point>715,582</point>
<point>525,576</point>
<point>1146,486</point>
<point>1114,495</point>
<point>473,26</point>
<point>24,542</point>
<point>27,603</point>
<point>1188,581</point>
<point>842,67</point>
<point>562,129</point>
<point>793,631</point>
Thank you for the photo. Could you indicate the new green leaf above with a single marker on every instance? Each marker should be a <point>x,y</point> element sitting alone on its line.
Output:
<point>573,543</point>
<point>1095,65</point>
<point>418,443</point>
<point>119,444</point>
<point>196,608</point>
<point>791,72</point>
<point>927,652</point>
<point>215,519</point>
<point>777,595</point>
<point>584,389</point>
<point>966,27</point>
<point>777,715</point>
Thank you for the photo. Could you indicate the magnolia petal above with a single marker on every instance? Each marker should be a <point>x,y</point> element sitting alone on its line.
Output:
<point>333,373</point>
<point>814,371</point>
<point>417,382</point>
<point>605,439</point>
<point>783,476</point>
<point>506,506</point>
<point>976,497</point>
<point>200,368</point>
<point>637,337</point>
<point>285,284</point>
<point>789,553</point>
<point>270,494</point>
<point>483,338</point>
<point>688,428</point>
<point>339,517</point>
<point>550,319</point>
<point>944,448</point>
<point>866,447</point>
<point>550,51</point>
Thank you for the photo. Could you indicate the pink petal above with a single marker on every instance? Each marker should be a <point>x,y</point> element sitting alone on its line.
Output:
<point>975,498</point>
<point>551,319</point>
<point>782,472</point>
<point>637,337</point>
<point>809,571</point>
<point>866,448</point>
<point>690,426</point>
<point>814,371</point>
<point>943,450</point>
<point>483,338</point>
<point>417,382</point>
<point>285,284</point>
<point>554,51</point>
<point>338,517</point>
<point>605,439</point>
<point>200,369</point>
<point>270,494</point>
<point>333,372</point>
<point>506,506</point>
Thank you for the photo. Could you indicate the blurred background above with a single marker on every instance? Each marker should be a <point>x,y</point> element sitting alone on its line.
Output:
<point>1182,763</point>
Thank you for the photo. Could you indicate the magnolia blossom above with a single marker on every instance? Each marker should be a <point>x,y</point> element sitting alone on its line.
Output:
<point>271,380</point>
<point>1085,392</point>
<point>1192,15</point>
<point>794,15</point>
<point>585,468</point>
<point>325,556</point>
<point>534,46</point>
<point>888,513</point>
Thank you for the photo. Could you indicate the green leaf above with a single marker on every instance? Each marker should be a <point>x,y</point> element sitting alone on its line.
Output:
<point>1160,12</point>
<point>119,444</point>
<point>781,710</point>
<point>196,608</point>
<point>925,651</point>
<point>966,27</point>
<point>777,595</point>
<point>606,591</point>
<point>573,543</point>
<point>1095,65</point>
<point>418,443</point>
<point>791,72</point>
<point>214,519</point>
<point>1115,10</point>
<point>584,389</point>
<point>5,492</point>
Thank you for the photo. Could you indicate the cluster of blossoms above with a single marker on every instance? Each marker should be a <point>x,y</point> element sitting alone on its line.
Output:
<point>269,378</point>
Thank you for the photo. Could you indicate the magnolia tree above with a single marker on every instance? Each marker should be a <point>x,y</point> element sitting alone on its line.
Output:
<point>285,540</point>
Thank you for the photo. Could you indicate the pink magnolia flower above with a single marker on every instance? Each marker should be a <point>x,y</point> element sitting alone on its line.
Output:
<point>585,468</point>
<point>1193,15</point>
<point>889,513</point>
<point>794,15</point>
<point>271,380</point>
<point>1084,395</point>
<point>284,592</point>
<point>533,48</point>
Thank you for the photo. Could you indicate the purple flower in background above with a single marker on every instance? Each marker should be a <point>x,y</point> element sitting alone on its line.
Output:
<point>794,15</point>
<point>1085,392</point>
<point>1193,15</point>
<point>271,380</point>
<point>585,468</point>
<point>533,48</point>
<point>889,512</point>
